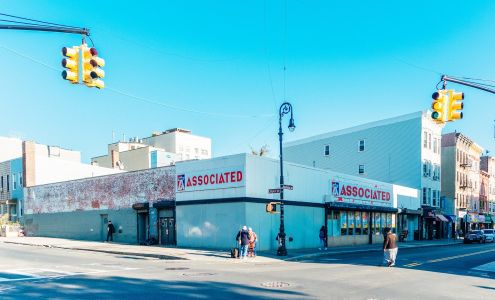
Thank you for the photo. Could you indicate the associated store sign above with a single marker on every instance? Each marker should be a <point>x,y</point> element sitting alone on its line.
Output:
<point>353,191</point>
<point>210,179</point>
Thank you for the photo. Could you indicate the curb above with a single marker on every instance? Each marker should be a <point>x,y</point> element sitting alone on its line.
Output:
<point>151,255</point>
<point>323,253</point>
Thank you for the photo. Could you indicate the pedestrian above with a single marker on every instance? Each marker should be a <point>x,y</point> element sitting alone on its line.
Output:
<point>243,240</point>
<point>110,231</point>
<point>390,247</point>
<point>253,239</point>
<point>323,238</point>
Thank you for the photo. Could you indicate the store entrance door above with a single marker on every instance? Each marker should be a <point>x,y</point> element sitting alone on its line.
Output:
<point>167,231</point>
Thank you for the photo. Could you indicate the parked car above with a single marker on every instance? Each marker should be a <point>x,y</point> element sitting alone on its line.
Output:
<point>474,236</point>
<point>489,235</point>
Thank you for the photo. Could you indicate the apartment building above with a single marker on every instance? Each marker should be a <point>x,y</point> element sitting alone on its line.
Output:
<point>404,150</point>
<point>160,149</point>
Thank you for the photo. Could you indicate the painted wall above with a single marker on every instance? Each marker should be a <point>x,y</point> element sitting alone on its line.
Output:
<point>83,225</point>
<point>215,226</point>
<point>112,192</point>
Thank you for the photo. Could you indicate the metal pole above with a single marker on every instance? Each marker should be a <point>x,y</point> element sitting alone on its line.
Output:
<point>83,31</point>
<point>285,108</point>
<point>473,85</point>
<point>282,250</point>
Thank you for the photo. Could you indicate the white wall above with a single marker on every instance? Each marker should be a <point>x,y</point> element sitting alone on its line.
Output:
<point>10,148</point>
<point>50,170</point>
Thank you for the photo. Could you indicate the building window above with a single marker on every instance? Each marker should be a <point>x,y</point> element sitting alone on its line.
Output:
<point>435,145</point>
<point>361,169</point>
<point>425,139</point>
<point>428,196</point>
<point>20,179</point>
<point>326,150</point>
<point>361,146</point>
<point>429,141</point>
<point>424,195</point>
<point>1,184</point>
<point>14,182</point>
<point>8,183</point>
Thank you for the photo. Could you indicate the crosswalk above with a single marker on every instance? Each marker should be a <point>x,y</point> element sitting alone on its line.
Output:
<point>58,271</point>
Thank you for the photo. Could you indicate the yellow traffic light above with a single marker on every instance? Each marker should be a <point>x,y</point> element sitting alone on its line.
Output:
<point>455,105</point>
<point>92,72</point>
<point>71,63</point>
<point>439,106</point>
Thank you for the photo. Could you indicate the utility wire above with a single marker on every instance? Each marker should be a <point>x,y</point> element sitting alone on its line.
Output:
<point>144,99</point>
<point>38,21</point>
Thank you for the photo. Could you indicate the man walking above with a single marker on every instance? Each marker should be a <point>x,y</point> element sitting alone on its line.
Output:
<point>390,247</point>
<point>110,231</point>
<point>243,238</point>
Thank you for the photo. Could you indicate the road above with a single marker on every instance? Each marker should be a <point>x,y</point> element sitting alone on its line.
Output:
<point>451,272</point>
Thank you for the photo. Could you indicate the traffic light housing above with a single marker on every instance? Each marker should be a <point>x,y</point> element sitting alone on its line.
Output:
<point>271,207</point>
<point>71,64</point>
<point>455,105</point>
<point>439,106</point>
<point>92,64</point>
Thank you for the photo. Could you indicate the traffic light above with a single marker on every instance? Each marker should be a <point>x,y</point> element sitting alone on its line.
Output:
<point>71,63</point>
<point>455,105</point>
<point>439,106</point>
<point>271,207</point>
<point>92,72</point>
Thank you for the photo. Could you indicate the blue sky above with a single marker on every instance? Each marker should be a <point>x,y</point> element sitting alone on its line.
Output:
<point>221,63</point>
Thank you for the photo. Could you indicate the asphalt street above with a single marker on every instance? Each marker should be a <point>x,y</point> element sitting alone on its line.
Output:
<point>452,272</point>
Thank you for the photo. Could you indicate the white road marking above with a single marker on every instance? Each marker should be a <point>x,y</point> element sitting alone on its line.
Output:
<point>489,267</point>
<point>32,274</point>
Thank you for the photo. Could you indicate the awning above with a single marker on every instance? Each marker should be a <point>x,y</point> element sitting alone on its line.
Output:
<point>408,211</point>
<point>442,218</point>
<point>450,218</point>
<point>141,206</point>
<point>359,207</point>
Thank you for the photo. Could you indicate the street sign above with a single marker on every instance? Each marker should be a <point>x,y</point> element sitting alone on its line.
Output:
<point>287,187</point>
<point>274,191</point>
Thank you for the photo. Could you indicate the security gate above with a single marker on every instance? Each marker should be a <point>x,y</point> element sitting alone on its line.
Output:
<point>167,231</point>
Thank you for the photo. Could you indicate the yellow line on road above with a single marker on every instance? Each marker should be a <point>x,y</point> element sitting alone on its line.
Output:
<point>458,256</point>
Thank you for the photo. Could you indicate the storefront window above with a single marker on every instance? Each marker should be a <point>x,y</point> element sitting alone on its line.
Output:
<point>334,223</point>
<point>389,220</point>
<point>350,222</point>
<point>376,224</point>
<point>365,223</point>
<point>343,223</point>
<point>357,219</point>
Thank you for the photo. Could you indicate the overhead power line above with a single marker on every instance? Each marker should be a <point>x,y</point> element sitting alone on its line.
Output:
<point>145,99</point>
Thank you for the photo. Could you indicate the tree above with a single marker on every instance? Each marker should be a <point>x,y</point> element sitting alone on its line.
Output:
<point>262,152</point>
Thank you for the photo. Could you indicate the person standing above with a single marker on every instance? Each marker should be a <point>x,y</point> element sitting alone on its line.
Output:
<point>323,238</point>
<point>243,239</point>
<point>253,239</point>
<point>390,247</point>
<point>110,231</point>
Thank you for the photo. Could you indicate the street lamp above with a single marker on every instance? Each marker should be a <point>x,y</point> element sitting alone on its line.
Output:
<point>285,108</point>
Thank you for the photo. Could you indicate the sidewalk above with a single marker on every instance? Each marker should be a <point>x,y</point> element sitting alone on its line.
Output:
<point>295,255</point>
<point>203,255</point>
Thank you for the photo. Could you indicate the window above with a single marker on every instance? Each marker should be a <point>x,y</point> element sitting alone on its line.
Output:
<point>429,141</point>
<point>14,182</point>
<point>361,169</point>
<point>428,196</point>
<point>435,145</point>
<point>361,146</point>
<point>326,150</point>
<point>1,183</point>
<point>425,139</point>
<point>434,198</point>
<point>20,179</point>
<point>343,223</point>
<point>8,183</point>
<point>424,195</point>
<point>365,223</point>
<point>358,221</point>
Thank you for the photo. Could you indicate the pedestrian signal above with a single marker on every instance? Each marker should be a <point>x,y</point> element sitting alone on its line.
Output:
<point>271,207</point>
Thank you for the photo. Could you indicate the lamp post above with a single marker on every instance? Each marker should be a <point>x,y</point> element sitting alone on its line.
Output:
<point>285,108</point>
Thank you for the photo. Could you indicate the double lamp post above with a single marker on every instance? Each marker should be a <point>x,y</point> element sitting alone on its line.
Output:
<point>285,108</point>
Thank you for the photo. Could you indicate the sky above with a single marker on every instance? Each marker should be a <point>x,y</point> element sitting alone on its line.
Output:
<point>217,69</point>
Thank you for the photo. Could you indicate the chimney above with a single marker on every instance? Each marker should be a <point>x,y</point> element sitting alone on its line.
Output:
<point>115,158</point>
<point>28,163</point>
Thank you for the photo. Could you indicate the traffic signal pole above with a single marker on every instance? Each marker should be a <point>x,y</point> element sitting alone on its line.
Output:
<point>473,85</point>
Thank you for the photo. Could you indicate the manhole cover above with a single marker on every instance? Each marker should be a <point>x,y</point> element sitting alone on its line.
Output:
<point>175,269</point>
<point>197,274</point>
<point>275,284</point>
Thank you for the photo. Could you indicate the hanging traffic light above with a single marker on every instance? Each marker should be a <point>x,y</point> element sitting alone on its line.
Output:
<point>92,72</point>
<point>71,63</point>
<point>455,105</point>
<point>439,106</point>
